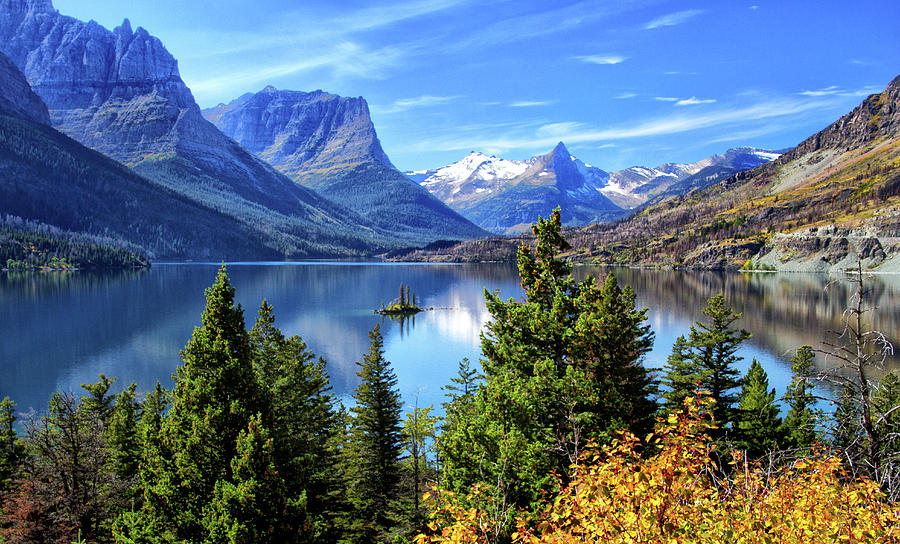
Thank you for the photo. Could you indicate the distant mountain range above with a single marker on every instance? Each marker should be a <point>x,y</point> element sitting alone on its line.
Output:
<point>506,196</point>
<point>830,204</point>
<point>328,143</point>
<point>119,92</point>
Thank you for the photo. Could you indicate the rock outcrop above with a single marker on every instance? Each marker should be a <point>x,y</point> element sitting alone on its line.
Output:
<point>46,176</point>
<point>328,143</point>
<point>299,133</point>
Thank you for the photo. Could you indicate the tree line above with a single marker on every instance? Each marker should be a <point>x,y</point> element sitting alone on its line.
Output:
<point>250,445</point>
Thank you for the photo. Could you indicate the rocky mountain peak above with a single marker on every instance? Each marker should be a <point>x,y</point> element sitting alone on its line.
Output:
<point>877,117</point>
<point>28,6</point>
<point>298,132</point>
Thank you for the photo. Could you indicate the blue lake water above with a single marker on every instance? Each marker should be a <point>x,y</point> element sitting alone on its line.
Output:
<point>60,329</point>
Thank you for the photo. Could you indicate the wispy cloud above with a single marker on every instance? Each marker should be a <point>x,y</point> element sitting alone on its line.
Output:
<point>554,130</point>
<point>547,135</point>
<point>530,103</point>
<point>821,92</point>
<point>673,19</point>
<point>834,90</point>
<point>624,96</point>
<point>745,135</point>
<point>666,98</point>
<point>405,104</point>
<point>344,59</point>
<point>601,59</point>
<point>693,101</point>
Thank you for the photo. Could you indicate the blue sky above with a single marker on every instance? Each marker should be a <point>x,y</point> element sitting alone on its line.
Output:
<point>621,83</point>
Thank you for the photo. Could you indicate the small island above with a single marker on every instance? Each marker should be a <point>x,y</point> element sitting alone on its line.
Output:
<point>404,305</point>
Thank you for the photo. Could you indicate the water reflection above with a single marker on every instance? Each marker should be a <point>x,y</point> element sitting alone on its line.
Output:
<point>61,329</point>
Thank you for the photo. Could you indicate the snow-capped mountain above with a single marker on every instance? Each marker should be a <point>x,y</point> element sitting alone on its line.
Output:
<point>477,174</point>
<point>505,195</point>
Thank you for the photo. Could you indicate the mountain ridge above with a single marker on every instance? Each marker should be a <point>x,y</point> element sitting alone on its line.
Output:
<point>486,189</point>
<point>328,143</point>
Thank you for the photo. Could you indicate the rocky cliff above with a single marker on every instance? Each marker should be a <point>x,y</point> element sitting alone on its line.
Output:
<point>46,176</point>
<point>328,143</point>
<point>299,133</point>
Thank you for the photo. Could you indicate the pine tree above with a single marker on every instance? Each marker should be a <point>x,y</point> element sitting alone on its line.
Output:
<point>11,449</point>
<point>418,438</point>
<point>708,356</point>
<point>561,368</point>
<point>799,426</point>
<point>757,417</point>
<point>464,384</point>
<point>373,456</point>
<point>244,510</point>
<point>214,399</point>
<point>122,435</point>
<point>304,423</point>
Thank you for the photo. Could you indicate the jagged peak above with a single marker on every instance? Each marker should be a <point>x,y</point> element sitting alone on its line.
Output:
<point>561,148</point>
<point>124,28</point>
<point>29,6</point>
<point>269,89</point>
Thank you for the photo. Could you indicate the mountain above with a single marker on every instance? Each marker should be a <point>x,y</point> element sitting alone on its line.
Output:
<point>637,185</point>
<point>328,143</point>
<point>46,176</point>
<point>830,204</point>
<point>504,195</point>
<point>120,93</point>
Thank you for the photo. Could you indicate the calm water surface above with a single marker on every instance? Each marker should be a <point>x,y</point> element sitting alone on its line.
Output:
<point>58,330</point>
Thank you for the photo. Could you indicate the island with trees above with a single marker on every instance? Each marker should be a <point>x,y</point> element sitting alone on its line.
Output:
<point>403,306</point>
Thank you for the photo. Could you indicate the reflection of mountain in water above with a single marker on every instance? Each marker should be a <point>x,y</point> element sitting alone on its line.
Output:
<point>783,311</point>
<point>60,330</point>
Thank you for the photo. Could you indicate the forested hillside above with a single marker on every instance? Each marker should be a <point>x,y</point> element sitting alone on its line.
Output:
<point>26,245</point>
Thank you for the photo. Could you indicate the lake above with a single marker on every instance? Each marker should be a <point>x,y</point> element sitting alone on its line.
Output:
<point>60,329</point>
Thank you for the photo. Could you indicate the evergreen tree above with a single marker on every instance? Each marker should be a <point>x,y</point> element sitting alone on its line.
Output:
<point>10,447</point>
<point>214,399</point>
<point>304,423</point>
<point>561,367</point>
<point>708,356</point>
<point>799,426</point>
<point>245,509</point>
<point>99,401</point>
<point>122,435</point>
<point>465,383</point>
<point>757,421</point>
<point>373,451</point>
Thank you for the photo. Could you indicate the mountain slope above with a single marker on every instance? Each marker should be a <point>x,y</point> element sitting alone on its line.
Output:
<point>48,177</point>
<point>120,92</point>
<point>328,143</point>
<point>507,195</point>
<point>831,201</point>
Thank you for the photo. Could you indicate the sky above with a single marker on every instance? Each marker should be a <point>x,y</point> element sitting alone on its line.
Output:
<point>621,83</point>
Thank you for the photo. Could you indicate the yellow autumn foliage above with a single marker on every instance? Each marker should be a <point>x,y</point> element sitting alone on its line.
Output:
<point>673,496</point>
